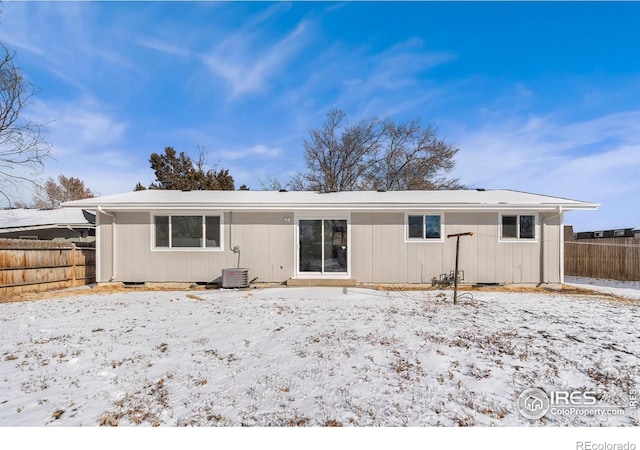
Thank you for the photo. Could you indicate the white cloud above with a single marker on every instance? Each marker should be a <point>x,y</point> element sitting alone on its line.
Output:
<point>247,58</point>
<point>87,142</point>
<point>257,151</point>
<point>365,82</point>
<point>68,41</point>
<point>164,47</point>
<point>594,160</point>
<point>75,127</point>
<point>390,75</point>
<point>248,70</point>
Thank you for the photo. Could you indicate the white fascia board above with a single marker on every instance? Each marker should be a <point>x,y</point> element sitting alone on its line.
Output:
<point>28,228</point>
<point>280,207</point>
<point>46,227</point>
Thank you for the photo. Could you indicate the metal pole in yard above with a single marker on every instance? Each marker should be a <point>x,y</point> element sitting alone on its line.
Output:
<point>455,273</point>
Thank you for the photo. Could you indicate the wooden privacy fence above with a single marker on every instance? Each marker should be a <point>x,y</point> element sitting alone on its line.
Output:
<point>611,258</point>
<point>29,266</point>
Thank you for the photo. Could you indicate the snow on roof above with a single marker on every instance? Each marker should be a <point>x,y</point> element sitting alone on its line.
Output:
<point>22,218</point>
<point>354,200</point>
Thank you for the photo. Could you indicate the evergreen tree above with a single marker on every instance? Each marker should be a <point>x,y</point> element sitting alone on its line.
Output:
<point>176,171</point>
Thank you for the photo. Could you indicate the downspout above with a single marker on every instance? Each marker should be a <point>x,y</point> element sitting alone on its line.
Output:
<point>230,226</point>
<point>560,245</point>
<point>113,242</point>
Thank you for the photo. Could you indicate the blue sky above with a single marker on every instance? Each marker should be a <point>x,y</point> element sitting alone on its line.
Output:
<point>539,97</point>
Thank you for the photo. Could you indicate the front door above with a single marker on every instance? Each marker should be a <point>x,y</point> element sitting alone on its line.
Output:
<point>323,246</point>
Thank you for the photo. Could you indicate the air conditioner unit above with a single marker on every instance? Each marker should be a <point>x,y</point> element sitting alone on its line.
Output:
<point>235,278</point>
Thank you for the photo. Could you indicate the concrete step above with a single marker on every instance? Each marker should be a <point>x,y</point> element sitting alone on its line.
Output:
<point>329,282</point>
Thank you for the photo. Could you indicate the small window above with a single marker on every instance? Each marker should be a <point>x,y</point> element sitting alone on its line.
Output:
<point>187,232</point>
<point>509,227</point>
<point>415,227</point>
<point>424,227</point>
<point>432,227</point>
<point>522,226</point>
<point>212,227</point>
<point>527,227</point>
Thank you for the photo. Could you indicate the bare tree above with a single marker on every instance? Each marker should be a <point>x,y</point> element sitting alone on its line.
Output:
<point>339,155</point>
<point>271,184</point>
<point>375,154</point>
<point>22,148</point>
<point>413,157</point>
<point>52,194</point>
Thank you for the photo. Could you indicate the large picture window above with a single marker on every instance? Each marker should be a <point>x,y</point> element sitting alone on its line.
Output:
<point>518,226</point>
<point>427,227</point>
<point>187,232</point>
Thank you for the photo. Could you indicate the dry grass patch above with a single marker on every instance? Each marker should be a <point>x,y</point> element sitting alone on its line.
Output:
<point>563,289</point>
<point>143,406</point>
<point>97,289</point>
<point>110,288</point>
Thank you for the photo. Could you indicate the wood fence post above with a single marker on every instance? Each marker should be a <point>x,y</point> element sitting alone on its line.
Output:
<point>74,259</point>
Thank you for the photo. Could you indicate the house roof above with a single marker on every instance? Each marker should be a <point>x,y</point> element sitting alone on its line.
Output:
<point>32,219</point>
<point>308,200</point>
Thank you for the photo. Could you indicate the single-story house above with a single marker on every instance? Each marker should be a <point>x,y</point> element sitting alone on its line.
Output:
<point>604,234</point>
<point>365,237</point>
<point>47,224</point>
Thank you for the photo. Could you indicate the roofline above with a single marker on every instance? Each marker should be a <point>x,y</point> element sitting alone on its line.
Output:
<point>50,226</point>
<point>544,195</point>
<point>360,207</point>
<point>287,203</point>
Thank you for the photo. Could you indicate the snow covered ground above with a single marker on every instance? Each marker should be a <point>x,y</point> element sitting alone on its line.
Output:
<point>311,357</point>
<point>628,289</point>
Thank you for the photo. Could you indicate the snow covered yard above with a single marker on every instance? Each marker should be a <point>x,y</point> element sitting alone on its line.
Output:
<point>310,357</point>
<point>627,289</point>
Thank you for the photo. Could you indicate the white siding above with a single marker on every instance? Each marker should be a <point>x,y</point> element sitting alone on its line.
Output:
<point>265,241</point>
<point>379,250</point>
<point>381,255</point>
<point>104,247</point>
<point>551,250</point>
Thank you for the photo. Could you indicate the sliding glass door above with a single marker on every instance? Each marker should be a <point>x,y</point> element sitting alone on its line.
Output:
<point>323,246</point>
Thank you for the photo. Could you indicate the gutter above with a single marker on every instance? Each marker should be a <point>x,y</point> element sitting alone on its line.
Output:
<point>113,244</point>
<point>355,207</point>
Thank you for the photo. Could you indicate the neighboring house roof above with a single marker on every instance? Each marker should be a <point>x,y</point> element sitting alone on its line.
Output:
<point>12,220</point>
<point>352,200</point>
<point>611,232</point>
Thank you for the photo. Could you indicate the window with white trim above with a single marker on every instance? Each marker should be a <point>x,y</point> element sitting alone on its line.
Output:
<point>424,227</point>
<point>188,232</point>
<point>518,226</point>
